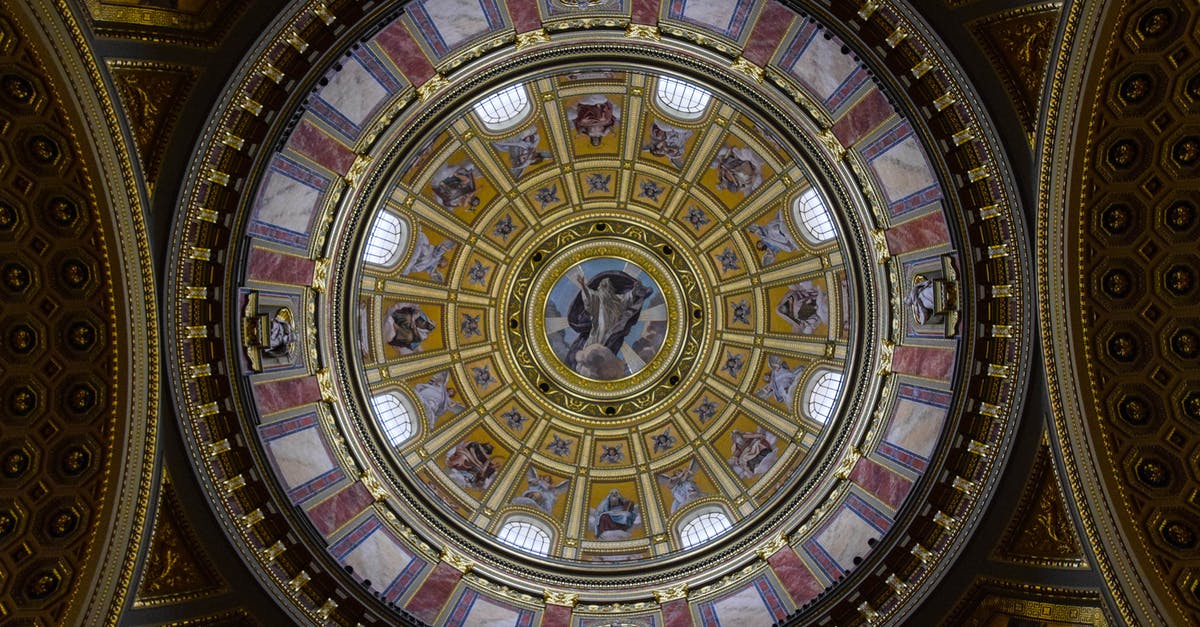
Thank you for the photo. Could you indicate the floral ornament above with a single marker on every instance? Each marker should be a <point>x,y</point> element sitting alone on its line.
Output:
<point>733,364</point>
<point>547,195</point>
<point>477,274</point>
<point>482,376</point>
<point>741,312</point>
<point>611,454</point>
<point>651,190</point>
<point>729,260</point>
<point>664,441</point>
<point>469,325</point>
<point>504,227</point>
<point>598,182</point>
<point>706,410</point>
<point>514,419</point>
<point>696,217</point>
<point>558,446</point>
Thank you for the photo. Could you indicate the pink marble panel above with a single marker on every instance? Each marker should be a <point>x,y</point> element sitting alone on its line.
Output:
<point>865,116</point>
<point>880,481</point>
<point>922,361</point>
<point>335,511</point>
<point>405,52</point>
<point>796,578</point>
<point>556,616</point>
<point>267,265</point>
<point>321,148</point>
<point>275,396</point>
<point>677,613</point>
<point>434,592</point>
<point>645,11</point>
<point>524,15</point>
<point>923,232</point>
<point>772,24</point>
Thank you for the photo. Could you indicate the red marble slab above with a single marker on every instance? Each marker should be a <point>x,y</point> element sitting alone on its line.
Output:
<point>796,578</point>
<point>886,485</point>
<point>923,232</point>
<point>769,30</point>
<point>556,616</point>
<point>524,14</point>
<point>321,148</point>
<point>275,396</point>
<point>924,361</point>
<point>329,515</point>
<point>268,265</point>
<point>434,592</point>
<point>865,116</point>
<point>677,613</point>
<point>406,53</point>
<point>645,11</point>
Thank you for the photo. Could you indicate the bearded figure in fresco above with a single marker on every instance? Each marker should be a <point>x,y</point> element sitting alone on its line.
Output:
<point>454,186</point>
<point>739,170</point>
<point>407,326</point>
<point>614,517</point>
<point>471,465</point>
<point>804,307</point>
<point>667,141</point>
<point>595,116</point>
<point>542,493</point>
<point>607,307</point>
<point>438,397</point>
<point>753,452</point>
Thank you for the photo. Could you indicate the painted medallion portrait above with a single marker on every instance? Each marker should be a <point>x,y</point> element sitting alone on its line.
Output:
<point>605,318</point>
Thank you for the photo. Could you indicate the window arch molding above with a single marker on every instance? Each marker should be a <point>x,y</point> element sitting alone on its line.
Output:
<point>702,525</point>
<point>504,109</point>
<point>820,394</point>
<point>813,218</point>
<point>395,416</point>
<point>681,99</point>
<point>386,239</point>
<point>526,533</point>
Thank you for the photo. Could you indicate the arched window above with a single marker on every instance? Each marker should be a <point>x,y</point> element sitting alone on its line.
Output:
<point>394,418</point>
<point>682,98</point>
<point>526,535</point>
<point>703,527</point>
<point>813,216</point>
<point>384,240</point>
<point>504,109</point>
<point>823,395</point>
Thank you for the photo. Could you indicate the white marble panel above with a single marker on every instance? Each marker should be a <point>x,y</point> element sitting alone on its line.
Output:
<point>484,613</point>
<point>744,609</point>
<point>916,426</point>
<point>456,20</point>
<point>286,203</point>
<point>379,558</point>
<point>715,13</point>
<point>903,169</point>
<point>846,537</point>
<point>823,66</point>
<point>353,91</point>
<point>300,456</point>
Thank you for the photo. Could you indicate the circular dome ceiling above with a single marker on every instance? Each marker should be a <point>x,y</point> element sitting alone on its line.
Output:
<point>635,318</point>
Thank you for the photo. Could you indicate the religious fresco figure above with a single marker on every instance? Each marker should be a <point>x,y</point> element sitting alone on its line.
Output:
<point>614,517</point>
<point>454,186</point>
<point>522,151</point>
<point>437,397</point>
<point>595,116</point>
<point>682,484</point>
<point>780,380</point>
<point>773,238</point>
<point>608,305</point>
<point>407,327</point>
<point>428,258</point>
<point>541,491</point>
<point>667,141</point>
<point>804,306</point>
<point>739,170</point>
<point>753,452</point>
<point>471,465</point>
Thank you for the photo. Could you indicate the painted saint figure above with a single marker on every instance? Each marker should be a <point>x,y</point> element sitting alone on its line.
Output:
<point>407,327</point>
<point>606,308</point>
<point>682,484</point>
<point>667,141</point>
<point>773,238</point>
<point>437,397</point>
<point>780,380</point>
<point>804,307</point>
<point>454,186</point>
<point>542,493</point>
<point>753,452</point>
<point>614,517</point>
<point>428,258</point>
<point>738,170</point>
<point>595,116</point>
<point>471,465</point>
<point>522,152</point>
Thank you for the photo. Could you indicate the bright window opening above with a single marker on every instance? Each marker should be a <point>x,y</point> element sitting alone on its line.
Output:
<point>814,216</point>
<point>504,109</point>
<point>526,536</point>
<point>383,243</point>
<point>683,98</point>
<point>823,396</point>
<point>394,418</point>
<point>703,528</point>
